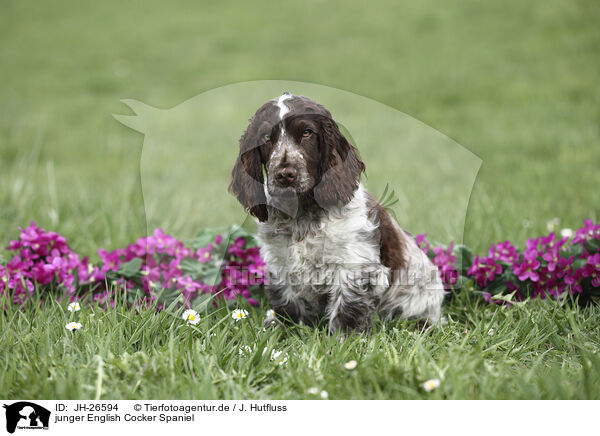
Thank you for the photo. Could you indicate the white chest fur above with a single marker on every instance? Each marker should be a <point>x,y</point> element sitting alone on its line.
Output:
<point>303,253</point>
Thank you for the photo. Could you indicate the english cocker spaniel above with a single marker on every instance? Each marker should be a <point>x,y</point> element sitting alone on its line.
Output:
<point>332,252</point>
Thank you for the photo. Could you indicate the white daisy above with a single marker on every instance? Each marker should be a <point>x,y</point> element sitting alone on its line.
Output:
<point>73,326</point>
<point>430,385</point>
<point>279,357</point>
<point>270,313</point>
<point>191,316</point>
<point>246,349</point>
<point>324,395</point>
<point>350,365</point>
<point>567,233</point>
<point>74,307</point>
<point>238,314</point>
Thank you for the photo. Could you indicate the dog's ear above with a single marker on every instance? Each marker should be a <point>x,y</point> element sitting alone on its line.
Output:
<point>247,182</point>
<point>340,167</point>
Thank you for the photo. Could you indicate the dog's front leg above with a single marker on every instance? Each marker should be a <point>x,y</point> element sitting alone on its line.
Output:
<point>290,305</point>
<point>351,304</point>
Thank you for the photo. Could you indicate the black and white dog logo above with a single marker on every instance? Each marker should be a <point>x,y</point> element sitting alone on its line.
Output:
<point>26,415</point>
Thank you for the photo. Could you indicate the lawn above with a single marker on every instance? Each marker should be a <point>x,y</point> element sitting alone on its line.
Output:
<point>542,349</point>
<point>515,83</point>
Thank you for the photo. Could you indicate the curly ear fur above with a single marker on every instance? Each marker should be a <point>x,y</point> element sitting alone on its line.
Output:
<point>247,181</point>
<point>340,167</point>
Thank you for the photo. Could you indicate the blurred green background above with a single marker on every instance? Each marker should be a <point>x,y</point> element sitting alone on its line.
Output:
<point>514,82</point>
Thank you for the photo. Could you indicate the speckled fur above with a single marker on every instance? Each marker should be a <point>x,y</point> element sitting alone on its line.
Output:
<point>332,252</point>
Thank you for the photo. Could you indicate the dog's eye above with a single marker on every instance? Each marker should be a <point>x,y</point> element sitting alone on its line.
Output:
<point>267,137</point>
<point>307,133</point>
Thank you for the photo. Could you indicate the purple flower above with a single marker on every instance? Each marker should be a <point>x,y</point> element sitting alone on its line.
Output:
<point>587,232</point>
<point>444,260</point>
<point>484,270</point>
<point>592,269</point>
<point>110,260</point>
<point>552,256</point>
<point>527,268</point>
<point>204,254</point>
<point>504,252</point>
<point>422,243</point>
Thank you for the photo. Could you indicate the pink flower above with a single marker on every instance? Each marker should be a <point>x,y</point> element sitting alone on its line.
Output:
<point>527,269</point>
<point>592,269</point>
<point>204,254</point>
<point>552,255</point>
<point>422,243</point>
<point>587,232</point>
<point>484,270</point>
<point>444,260</point>
<point>504,252</point>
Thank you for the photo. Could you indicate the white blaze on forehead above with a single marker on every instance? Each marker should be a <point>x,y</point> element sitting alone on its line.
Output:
<point>283,109</point>
<point>284,145</point>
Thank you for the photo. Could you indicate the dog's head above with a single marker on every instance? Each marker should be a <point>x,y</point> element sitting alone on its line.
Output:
<point>293,148</point>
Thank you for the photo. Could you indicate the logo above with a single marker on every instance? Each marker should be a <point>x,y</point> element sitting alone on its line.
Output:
<point>26,415</point>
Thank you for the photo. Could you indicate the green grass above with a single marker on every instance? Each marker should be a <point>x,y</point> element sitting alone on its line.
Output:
<point>514,82</point>
<point>540,350</point>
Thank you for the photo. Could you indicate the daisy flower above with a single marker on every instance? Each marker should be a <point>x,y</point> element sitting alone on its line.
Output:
<point>73,307</point>
<point>279,357</point>
<point>350,365</point>
<point>324,395</point>
<point>270,313</point>
<point>567,233</point>
<point>432,384</point>
<point>246,349</point>
<point>73,326</point>
<point>238,314</point>
<point>191,316</point>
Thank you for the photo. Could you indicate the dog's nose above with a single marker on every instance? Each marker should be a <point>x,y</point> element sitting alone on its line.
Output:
<point>286,175</point>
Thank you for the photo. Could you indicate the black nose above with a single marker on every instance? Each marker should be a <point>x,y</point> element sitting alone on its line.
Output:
<point>286,175</point>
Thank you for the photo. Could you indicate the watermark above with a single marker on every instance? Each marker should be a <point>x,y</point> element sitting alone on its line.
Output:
<point>78,417</point>
<point>212,158</point>
<point>189,151</point>
<point>342,275</point>
<point>24,415</point>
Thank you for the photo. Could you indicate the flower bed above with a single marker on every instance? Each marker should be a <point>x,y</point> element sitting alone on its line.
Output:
<point>159,268</point>
<point>549,266</point>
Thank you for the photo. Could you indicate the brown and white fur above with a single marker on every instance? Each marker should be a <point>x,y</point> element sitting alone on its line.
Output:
<point>332,251</point>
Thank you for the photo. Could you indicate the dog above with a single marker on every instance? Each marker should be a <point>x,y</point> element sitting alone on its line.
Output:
<point>333,253</point>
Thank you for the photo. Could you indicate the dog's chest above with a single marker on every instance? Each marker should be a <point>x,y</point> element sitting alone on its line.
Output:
<point>308,252</point>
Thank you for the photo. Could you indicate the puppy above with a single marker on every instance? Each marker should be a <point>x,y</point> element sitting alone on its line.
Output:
<point>332,251</point>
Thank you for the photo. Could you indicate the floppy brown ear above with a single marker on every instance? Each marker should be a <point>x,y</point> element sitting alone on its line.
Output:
<point>340,167</point>
<point>247,182</point>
